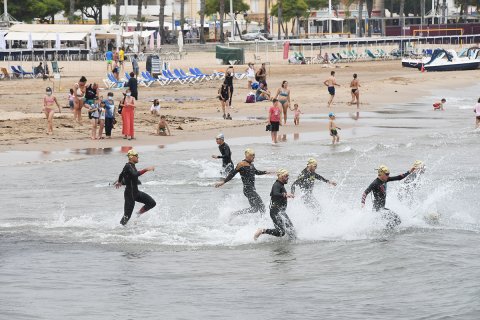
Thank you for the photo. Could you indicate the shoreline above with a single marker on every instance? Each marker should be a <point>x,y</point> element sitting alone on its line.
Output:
<point>23,130</point>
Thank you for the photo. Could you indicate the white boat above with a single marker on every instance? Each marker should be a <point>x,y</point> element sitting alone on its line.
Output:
<point>448,60</point>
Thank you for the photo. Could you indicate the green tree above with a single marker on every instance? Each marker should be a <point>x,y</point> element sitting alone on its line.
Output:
<point>27,10</point>
<point>213,7</point>
<point>89,8</point>
<point>289,9</point>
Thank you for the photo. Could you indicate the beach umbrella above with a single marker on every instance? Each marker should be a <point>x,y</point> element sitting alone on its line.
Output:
<point>93,42</point>
<point>57,41</point>
<point>30,42</point>
<point>180,42</point>
<point>118,41</point>
<point>159,41</point>
<point>135,42</point>
<point>3,44</point>
<point>152,42</point>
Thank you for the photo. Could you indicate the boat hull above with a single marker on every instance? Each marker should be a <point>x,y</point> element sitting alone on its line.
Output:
<point>453,66</point>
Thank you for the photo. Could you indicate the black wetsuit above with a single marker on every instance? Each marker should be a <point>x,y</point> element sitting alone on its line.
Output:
<point>229,82</point>
<point>306,181</point>
<point>226,157</point>
<point>278,208</point>
<point>129,177</point>
<point>247,172</point>
<point>379,189</point>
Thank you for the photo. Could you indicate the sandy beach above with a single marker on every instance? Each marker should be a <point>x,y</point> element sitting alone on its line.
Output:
<point>193,110</point>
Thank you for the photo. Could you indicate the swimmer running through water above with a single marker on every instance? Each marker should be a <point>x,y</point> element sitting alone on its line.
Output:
<point>306,182</point>
<point>226,154</point>
<point>278,209</point>
<point>379,189</point>
<point>247,171</point>
<point>129,178</point>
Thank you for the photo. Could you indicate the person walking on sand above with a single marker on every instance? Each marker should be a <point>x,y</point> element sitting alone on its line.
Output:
<point>224,95</point>
<point>135,66</point>
<point>275,120</point>
<point>439,105</point>
<point>109,115</point>
<point>128,114</point>
<point>250,75</point>
<point>93,115</point>
<point>283,96</point>
<point>101,119</point>
<point>109,58</point>
<point>278,209</point>
<point>379,189</point>
<point>332,127</point>
<point>133,85</point>
<point>354,85</point>
<point>129,178</point>
<point>331,82</point>
<point>48,101</point>
<point>229,74</point>
<point>226,155</point>
<point>306,182</point>
<point>477,114</point>
<point>248,172</point>
<point>78,103</point>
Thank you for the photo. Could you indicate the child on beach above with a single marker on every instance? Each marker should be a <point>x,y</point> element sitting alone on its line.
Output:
<point>162,128</point>
<point>155,108</point>
<point>93,115</point>
<point>439,105</point>
<point>48,102</point>
<point>477,114</point>
<point>101,118</point>
<point>297,112</point>
<point>333,128</point>
<point>71,96</point>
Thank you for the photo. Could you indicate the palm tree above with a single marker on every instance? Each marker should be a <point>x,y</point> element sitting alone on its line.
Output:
<point>202,21</point>
<point>360,17</point>
<point>182,14</point>
<point>117,12</point>
<point>265,18</point>
<point>72,10</point>
<point>401,17</point>
<point>161,21</point>
<point>139,13</point>
<point>222,15</point>
<point>369,13</point>
<point>280,11</point>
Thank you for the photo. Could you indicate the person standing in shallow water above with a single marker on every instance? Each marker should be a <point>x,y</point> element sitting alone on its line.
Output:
<point>331,82</point>
<point>129,178</point>
<point>247,171</point>
<point>226,155</point>
<point>278,209</point>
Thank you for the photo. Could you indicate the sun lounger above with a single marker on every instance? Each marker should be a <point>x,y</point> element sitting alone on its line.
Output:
<point>25,73</point>
<point>5,74</point>
<point>16,72</point>
<point>190,79</point>
<point>115,84</point>
<point>200,75</point>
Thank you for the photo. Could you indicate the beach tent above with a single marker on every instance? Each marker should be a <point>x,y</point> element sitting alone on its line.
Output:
<point>228,54</point>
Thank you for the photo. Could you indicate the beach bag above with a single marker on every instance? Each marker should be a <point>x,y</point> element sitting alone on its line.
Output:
<point>250,98</point>
<point>120,106</point>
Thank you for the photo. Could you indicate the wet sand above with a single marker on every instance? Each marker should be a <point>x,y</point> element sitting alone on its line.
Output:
<point>192,110</point>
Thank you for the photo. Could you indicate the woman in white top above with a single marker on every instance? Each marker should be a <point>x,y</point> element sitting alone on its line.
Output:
<point>250,75</point>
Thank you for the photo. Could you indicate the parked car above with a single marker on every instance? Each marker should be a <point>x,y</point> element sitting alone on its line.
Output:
<point>257,35</point>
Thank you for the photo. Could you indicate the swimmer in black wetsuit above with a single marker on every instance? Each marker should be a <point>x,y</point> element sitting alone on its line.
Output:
<point>278,209</point>
<point>247,171</point>
<point>379,189</point>
<point>226,155</point>
<point>129,178</point>
<point>306,181</point>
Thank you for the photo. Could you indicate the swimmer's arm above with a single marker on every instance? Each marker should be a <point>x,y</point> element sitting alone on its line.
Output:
<point>319,177</point>
<point>399,177</point>
<point>227,178</point>
<point>367,191</point>
<point>260,173</point>
<point>325,82</point>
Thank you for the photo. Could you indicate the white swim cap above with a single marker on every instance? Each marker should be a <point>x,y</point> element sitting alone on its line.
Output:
<point>311,161</point>
<point>220,136</point>
<point>282,173</point>
<point>249,152</point>
<point>132,153</point>
<point>418,164</point>
<point>383,169</point>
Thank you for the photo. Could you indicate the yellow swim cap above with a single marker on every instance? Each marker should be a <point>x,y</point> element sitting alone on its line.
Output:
<point>132,153</point>
<point>383,169</point>
<point>249,152</point>
<point>282,173</point>
<point>418,164</point>
<point>311,161</point>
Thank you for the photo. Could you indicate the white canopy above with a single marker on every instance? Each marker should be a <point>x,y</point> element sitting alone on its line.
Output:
<point>143,34</point>
<point>41,36</point>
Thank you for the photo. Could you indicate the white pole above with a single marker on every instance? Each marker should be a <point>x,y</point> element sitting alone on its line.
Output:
<point>5,9</point>
<point>233,19</point>
<point>330,17</point>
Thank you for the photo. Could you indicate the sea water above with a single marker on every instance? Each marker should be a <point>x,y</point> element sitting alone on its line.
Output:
<point>64,255</point>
